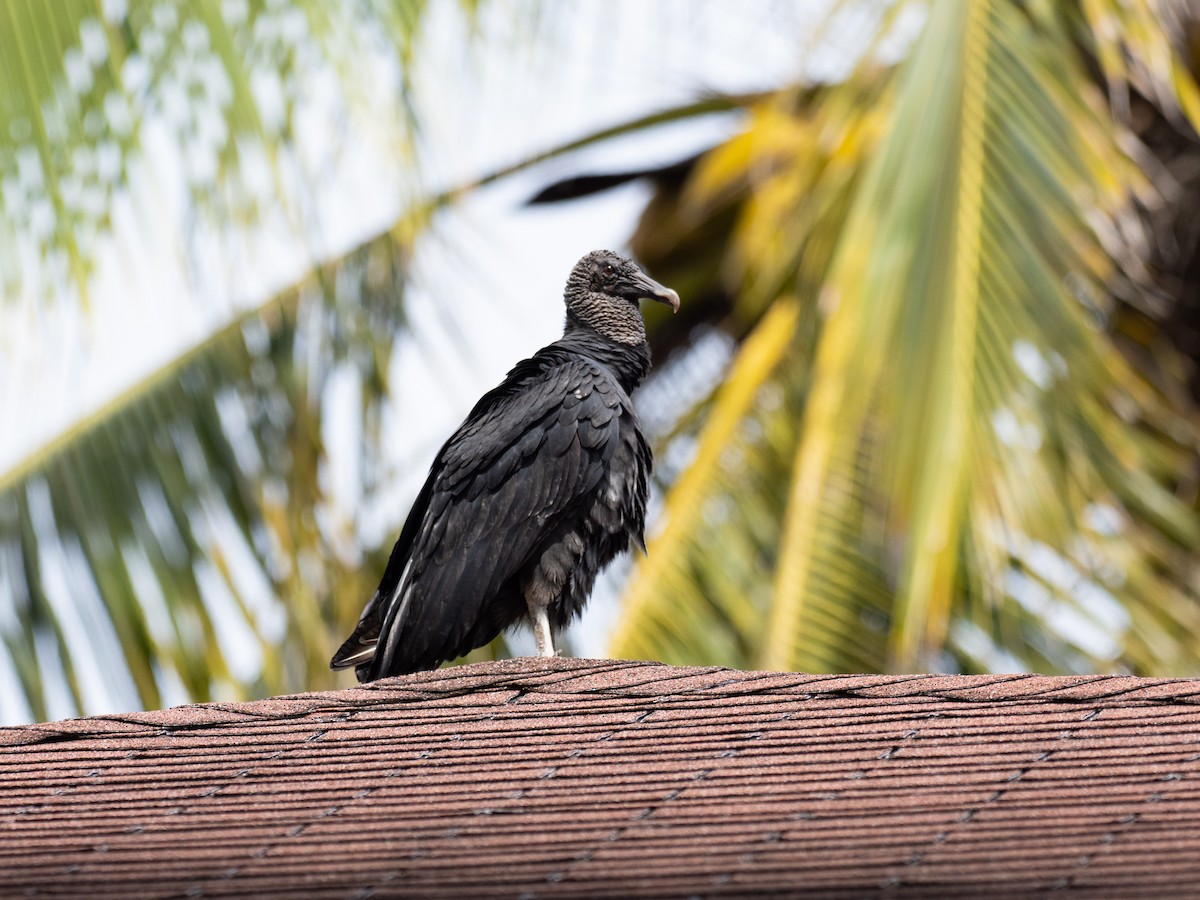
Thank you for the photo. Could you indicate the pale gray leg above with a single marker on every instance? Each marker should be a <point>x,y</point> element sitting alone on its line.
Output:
<point>544,583</point>
<point>541,631</point>
<point>538,596</point>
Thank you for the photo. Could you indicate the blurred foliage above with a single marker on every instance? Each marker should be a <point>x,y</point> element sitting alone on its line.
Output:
<point>958,430</point>
<point>214,462</point>
<point>222,81</point>
<point>185,527</point>
<point>942,443</point>
<point>182,541</point>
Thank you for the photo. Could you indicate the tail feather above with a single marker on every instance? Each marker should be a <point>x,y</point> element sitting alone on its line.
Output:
<point>354,652</point>
<point>359,648</point>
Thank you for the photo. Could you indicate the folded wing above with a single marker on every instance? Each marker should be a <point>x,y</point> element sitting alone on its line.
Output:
<point>521,469</point>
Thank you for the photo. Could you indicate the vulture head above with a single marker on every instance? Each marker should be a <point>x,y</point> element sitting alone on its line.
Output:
<point>603,291</point>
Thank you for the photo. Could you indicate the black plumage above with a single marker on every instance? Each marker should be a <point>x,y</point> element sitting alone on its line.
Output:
<point>539,489</point>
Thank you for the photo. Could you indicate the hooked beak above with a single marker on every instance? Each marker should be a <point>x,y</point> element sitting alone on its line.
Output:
<point>646,287</point>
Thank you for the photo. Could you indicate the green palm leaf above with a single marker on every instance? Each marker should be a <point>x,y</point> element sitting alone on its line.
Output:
<point>174,507</point>
<point>961,421</point>
<point>164,528</point>
<point>81,81</point>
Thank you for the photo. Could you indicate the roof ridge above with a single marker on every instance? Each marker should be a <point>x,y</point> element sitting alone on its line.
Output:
<point>574,778</point>
<point>616,678</point>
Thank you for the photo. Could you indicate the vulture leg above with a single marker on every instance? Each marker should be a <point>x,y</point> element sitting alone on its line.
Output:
<point>540,592</point>
<point>541,631</point>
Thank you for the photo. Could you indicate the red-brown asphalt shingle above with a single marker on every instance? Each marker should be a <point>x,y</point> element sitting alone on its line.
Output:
<point>579,778</point>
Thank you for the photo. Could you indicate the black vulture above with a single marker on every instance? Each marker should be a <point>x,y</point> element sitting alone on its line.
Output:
<point>539,489</point>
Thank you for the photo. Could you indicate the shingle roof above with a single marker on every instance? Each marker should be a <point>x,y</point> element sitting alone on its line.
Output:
<point>583,778</point>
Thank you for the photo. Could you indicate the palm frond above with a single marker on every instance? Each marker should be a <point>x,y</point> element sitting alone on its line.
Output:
<point>998,155</point>
<point>963,422</point>
<point>82,81</point>
<point>648,624</point>
<point>176,521</point>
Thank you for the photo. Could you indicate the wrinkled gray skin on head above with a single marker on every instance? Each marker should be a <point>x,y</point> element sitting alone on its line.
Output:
<point>603,291</point>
